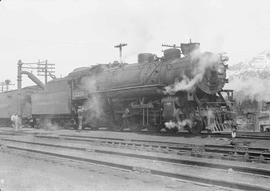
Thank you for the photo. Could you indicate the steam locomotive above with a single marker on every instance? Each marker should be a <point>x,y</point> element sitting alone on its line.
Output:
<point>183,89</point>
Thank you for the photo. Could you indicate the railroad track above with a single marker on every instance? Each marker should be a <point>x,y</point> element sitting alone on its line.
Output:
<point>56,150</point>
<point>244,135</point>
<point>240,135</point>
<point>227,152</point>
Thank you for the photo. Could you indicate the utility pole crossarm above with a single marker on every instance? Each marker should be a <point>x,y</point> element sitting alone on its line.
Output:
<point>43,68</point>
<point>120,46</point>
<point>7,83</point>
<point>46,69</point>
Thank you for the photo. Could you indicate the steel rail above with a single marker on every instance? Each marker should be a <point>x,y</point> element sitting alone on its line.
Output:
<point>240,135</point>
<point>253,151</point>
<point>221,183</point>
<point>249,154</point>
<point>163,159</point>
<point>222,149</point>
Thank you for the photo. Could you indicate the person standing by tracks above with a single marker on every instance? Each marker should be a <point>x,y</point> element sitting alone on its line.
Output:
<point>125,117</point>
<point>80,118</point>
<point>13,119</point>
<point>18,122</point>
<point>234,128</point>
<point>32,122</point>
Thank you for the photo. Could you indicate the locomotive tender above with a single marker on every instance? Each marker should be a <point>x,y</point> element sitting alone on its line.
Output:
<point>182,89</point>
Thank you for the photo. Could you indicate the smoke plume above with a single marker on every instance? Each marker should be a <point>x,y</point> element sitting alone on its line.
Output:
<point>93,106</point>
<point>185,84</point>
<point>89,84</point>
<point>200,62</point>
<point>252,88</point>
<point>49,125</point>
<point>179,125</point>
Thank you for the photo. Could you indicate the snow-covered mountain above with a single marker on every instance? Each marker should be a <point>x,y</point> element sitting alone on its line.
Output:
<point>257,67</point>
<point>251,79</point>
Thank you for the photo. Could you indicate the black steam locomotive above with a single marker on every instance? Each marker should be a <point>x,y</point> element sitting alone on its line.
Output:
<point>182,89</point>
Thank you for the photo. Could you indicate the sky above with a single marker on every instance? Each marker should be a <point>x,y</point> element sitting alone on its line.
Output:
<point>79,33</point>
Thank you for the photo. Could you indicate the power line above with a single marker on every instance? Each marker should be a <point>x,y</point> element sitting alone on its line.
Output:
<point>45,69</point>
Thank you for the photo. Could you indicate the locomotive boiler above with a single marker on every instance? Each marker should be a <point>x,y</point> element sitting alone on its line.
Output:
<point>182,89</point>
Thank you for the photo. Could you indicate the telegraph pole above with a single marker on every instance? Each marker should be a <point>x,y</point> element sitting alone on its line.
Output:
<point>2,84</point>
<point>45,69</point>
<point>120,46</point>
<point>6,84</point>
<point>19,87</point>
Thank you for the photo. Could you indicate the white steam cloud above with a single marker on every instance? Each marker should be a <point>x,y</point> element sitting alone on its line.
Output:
<point>201,61</point>
<point>49,125</point>
<point>93,106</point>
<point>179,125</point>
<point>185,84</point>
<point>89,84</point>
<point>252,88</point>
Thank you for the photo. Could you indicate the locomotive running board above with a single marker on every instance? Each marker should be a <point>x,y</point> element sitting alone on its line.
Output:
<point>128,88</point>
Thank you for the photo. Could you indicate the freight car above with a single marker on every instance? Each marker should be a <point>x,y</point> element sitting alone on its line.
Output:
<point>182,89</point>
<point>9,104</point>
